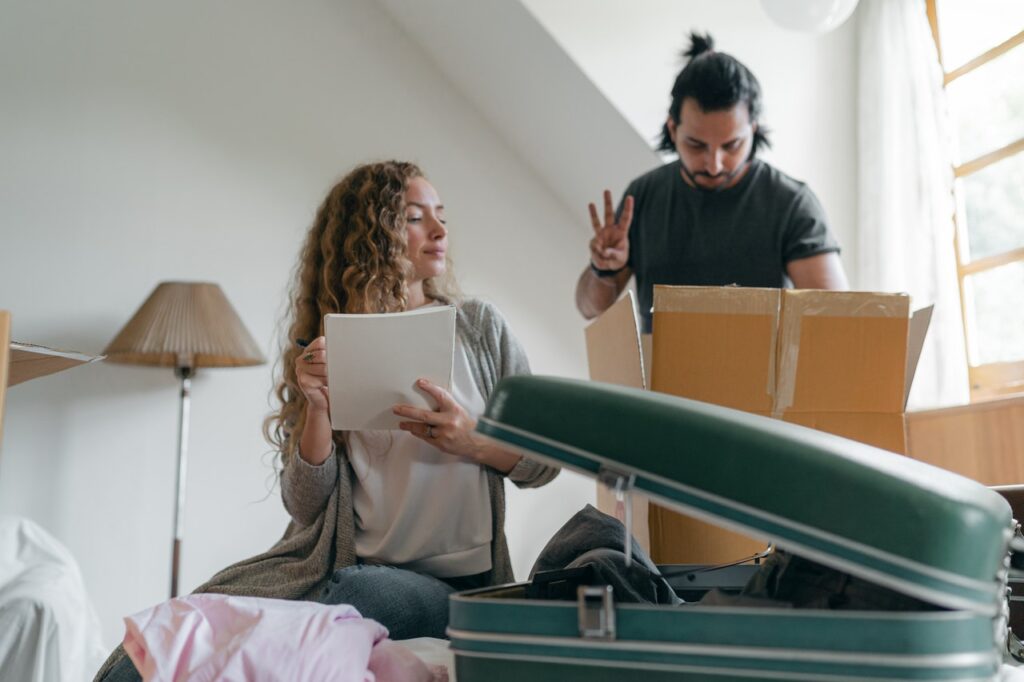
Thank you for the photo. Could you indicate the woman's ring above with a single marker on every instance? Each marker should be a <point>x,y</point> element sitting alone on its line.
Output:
<point>308,357</point>
<point>430,430</point>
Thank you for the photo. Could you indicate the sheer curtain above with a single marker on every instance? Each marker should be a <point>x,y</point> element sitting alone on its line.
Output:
<point>905,185</point>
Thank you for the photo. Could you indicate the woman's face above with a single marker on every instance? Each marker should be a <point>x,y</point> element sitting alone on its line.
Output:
<point>426,235</point>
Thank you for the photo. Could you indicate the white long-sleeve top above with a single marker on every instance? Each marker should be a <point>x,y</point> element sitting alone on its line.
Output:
<point>416,507</point>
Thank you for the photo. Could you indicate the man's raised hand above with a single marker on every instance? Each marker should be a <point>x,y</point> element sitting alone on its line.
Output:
<point>609,249</point>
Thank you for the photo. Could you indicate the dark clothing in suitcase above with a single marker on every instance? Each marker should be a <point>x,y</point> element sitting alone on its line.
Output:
<point>786,579</point>
<point>593,538</point>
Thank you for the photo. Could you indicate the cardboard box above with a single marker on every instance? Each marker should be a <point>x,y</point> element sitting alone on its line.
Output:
<point>23,361</point>
<point>841,362</point>
<point>29,361</point>
<point>615,356</point>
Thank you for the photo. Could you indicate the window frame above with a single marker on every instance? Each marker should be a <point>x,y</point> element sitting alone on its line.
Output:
<point>995,379</point>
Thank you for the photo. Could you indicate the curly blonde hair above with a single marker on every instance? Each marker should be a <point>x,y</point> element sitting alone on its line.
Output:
<point>353,261</point>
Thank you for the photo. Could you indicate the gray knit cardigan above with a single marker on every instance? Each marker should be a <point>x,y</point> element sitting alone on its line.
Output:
<point>303,560</point>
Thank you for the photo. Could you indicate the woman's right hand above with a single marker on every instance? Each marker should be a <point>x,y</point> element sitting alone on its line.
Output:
<point>311,375</point>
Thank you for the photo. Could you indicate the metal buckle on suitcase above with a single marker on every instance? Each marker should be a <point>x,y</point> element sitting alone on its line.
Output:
<point>878,516</point>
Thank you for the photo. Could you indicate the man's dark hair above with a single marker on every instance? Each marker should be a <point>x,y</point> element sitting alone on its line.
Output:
<point>717,81</point>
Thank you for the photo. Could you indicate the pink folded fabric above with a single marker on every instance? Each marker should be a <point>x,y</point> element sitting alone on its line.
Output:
<point>212,637</point>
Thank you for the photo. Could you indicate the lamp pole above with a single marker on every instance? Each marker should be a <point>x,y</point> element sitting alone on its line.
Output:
<point>185,375</point>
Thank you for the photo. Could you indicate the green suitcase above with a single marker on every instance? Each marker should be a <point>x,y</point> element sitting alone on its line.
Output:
<point>888,519</point>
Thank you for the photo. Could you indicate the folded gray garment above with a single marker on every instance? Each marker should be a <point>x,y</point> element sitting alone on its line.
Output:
<point>594,538</point>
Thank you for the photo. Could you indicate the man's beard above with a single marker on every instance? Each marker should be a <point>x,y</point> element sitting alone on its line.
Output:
<point>692,177</point>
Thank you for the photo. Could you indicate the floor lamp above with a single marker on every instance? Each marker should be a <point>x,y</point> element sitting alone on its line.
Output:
<point>184,325</point>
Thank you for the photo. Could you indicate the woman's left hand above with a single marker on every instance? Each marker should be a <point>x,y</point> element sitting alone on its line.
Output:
<point>448,427</point>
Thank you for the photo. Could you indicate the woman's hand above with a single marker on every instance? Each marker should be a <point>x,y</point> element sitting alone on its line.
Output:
<point>449,427</point>
<point>311,374</point>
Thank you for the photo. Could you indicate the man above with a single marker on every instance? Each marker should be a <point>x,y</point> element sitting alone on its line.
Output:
<point>717,216</point>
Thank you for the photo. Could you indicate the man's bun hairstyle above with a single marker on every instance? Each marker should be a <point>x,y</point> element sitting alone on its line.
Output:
<point>717,81</point>
<point>699,44</point>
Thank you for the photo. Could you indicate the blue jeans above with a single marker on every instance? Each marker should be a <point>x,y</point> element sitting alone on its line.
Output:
<point>408,604</point>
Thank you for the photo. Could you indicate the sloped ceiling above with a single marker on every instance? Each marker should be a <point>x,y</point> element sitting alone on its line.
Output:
<point>503,61</point>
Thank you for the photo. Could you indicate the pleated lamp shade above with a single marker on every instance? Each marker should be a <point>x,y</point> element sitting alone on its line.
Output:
<point>185,324</point>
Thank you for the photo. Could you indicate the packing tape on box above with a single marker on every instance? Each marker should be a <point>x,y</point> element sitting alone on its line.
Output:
<point>721,300</point>
<point>799,303</point>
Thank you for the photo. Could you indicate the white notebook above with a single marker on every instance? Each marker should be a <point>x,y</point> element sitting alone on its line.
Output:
<point>374,360</point>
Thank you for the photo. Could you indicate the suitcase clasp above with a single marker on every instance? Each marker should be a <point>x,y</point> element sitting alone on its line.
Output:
<point>621,483</point>
<point>596,611</point>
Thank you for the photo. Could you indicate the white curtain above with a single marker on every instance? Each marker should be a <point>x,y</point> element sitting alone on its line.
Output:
<point>905,185</point>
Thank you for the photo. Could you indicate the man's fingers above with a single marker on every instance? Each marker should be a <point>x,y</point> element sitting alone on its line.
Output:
<point>627,214</point>
<point>595,221</point>
<point>609,209</point>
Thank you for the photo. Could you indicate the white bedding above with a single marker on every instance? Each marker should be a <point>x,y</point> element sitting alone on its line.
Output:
<point>49,631</point>
<point>1011,673</point>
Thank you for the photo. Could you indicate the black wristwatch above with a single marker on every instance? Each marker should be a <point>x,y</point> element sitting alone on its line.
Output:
<point>605,273</point>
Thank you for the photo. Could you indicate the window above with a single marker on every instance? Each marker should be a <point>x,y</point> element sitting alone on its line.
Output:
<point>981,48</point>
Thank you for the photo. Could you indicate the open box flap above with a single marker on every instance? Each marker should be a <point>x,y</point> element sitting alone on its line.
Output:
<point>898,522</point>
<point>614,349</point>
<point>29,361</point>
<point>919,322</point>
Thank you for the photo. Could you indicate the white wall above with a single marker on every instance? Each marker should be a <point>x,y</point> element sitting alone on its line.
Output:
<point>508,66</point>
<point>631,49</point>
<point>194,140</point>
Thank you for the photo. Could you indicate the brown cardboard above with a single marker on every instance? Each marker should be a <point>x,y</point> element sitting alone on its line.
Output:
<point>5,335</point>
<point>615,356</point>
<point>614,353</point>
<point>647,351</point>
<point>716,347</point>
<point>29,361</point>
<point>679,539</point>
<point>842,352</point>
<point>712,345</point>
<point>919,322</point>
<point>840,362</point>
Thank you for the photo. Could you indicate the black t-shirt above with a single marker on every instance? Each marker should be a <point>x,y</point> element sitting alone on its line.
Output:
<point>742,235</point>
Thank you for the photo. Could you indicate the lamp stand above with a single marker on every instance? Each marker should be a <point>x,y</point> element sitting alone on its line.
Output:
<point>185,375</point>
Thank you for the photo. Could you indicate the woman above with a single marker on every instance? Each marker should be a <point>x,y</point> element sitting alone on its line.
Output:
<point>390,522</point>
<point>379,244</point>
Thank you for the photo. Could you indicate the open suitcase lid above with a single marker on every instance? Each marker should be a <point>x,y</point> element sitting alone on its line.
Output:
<point>909,526</point>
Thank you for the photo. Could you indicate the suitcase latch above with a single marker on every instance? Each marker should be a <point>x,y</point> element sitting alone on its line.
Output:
<point>596,611</point>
